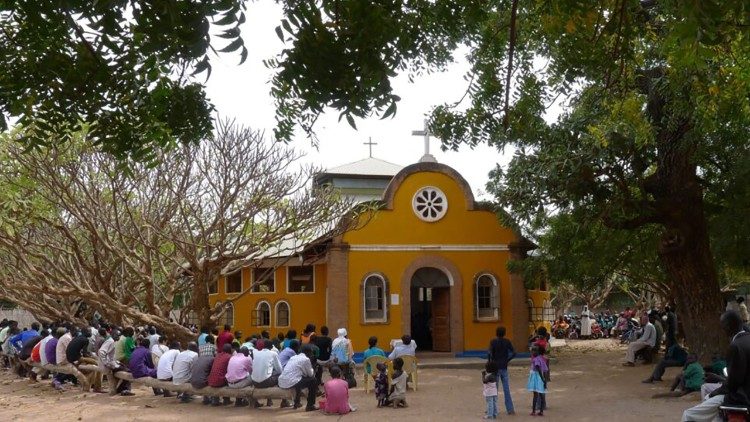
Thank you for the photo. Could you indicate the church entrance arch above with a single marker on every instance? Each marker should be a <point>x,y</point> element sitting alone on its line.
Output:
<point>431,311</point>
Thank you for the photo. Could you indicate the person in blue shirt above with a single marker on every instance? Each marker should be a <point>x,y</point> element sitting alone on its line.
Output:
<point>501,352</point>
<point>373,350</point>
<point>19,339</point>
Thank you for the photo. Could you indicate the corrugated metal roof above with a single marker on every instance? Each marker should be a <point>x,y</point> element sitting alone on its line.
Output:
<point>367,167</point>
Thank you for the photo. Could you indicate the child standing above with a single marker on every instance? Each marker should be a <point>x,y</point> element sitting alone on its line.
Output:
<point>381,385</point>
<point>489,389</point>
<point>537,383</point>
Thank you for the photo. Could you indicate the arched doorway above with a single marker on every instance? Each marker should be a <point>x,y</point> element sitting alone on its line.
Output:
<point>430,309</point>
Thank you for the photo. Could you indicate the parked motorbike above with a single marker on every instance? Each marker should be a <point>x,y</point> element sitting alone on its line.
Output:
<point>734,413</point>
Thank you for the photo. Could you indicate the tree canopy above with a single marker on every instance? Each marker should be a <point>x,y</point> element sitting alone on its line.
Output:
<point>79,235</point>
<point>653,94</point>
<point>121,66</point>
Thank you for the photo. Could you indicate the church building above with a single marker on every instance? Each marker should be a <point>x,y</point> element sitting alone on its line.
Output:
<point>429,261</point>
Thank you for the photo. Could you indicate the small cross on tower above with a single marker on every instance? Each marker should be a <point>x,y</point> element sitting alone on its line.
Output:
<point>425,133</point>
<point>370,144</point>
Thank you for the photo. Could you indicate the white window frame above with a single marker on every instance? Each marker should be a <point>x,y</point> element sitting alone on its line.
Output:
<point>242,282</point>
<point>252,278</point>
<point>231,307</point>
<point>276,313</point>
<point>270,314</point>
<point>384,318</point>
<point>494,293</point>
<point>548,311</point>
<point>216,282</point>
<point>288,280</point>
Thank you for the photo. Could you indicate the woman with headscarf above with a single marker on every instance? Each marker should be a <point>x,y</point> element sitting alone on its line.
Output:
<point>341,348</point>
<point>342,352</point>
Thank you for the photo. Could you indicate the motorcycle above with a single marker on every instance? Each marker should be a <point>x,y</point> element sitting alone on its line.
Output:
<point>596,331</point>
<point>733,413</point>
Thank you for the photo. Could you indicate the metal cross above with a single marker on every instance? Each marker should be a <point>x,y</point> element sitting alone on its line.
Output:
<point>370,144</point>
<point>425,133</point>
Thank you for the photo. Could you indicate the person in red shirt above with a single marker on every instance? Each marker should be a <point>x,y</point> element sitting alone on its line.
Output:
<point>225,337</point>
<point>218,375</point>
<point>35,356</point>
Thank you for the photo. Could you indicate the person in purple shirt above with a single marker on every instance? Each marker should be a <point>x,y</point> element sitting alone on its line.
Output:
<point>18,340</point>
<point>140,363</point>
<point>286,354</point>
<point>51,346</point>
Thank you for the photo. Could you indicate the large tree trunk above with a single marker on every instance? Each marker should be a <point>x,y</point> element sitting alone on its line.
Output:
<point>678,197</point>
<point>686,255</point>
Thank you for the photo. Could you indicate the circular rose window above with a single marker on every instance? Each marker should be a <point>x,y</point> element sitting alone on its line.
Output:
<point>429,204</point>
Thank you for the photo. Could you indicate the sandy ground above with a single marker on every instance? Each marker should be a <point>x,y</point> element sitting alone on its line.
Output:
<point>588,384</point>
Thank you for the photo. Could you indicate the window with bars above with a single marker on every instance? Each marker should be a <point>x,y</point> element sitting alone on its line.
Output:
<point>375,299</point>
<point>263,280</point>
<point>486,297</point>
<point>282,314</point>
<point>261,315</point>
<point>228,316</point>
<point>301,279</point>
<point>234,282</point>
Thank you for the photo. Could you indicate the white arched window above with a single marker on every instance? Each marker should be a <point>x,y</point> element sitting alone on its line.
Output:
<point>548,310</point>
<point>486,298</point>
<point>228,316</point>
<point>283,313</point>
<point>262,314</point>
<point>374,298</point>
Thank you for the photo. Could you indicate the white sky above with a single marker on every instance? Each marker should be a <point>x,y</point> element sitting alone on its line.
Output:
<point>242,92</point>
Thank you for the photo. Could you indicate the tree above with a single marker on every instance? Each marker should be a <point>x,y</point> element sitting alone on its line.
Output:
<point>122,66</point>
<point>587,261</point>
<point>655,115</point>
<point>130,242</point>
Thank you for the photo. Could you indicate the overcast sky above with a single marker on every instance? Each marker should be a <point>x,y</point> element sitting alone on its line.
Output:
<point>242,92</point>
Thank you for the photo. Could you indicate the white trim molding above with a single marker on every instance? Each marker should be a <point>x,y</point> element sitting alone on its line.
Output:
<point>417,247</point>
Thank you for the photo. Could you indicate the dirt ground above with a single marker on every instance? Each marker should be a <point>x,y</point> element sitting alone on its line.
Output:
<point>588,384</point>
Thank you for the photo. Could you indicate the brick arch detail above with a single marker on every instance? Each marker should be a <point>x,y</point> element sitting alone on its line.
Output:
<point>456,291</point>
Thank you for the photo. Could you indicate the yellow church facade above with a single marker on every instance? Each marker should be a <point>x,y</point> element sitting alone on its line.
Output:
<point>430,261</point>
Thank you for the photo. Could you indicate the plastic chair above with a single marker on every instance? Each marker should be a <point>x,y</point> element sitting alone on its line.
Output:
<point>410,367</point>
<point>371,362</point>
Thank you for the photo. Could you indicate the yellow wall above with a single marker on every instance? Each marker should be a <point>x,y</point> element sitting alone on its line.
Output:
<point>392,265</point>
<point>401,227</point>
<point>305,307</point>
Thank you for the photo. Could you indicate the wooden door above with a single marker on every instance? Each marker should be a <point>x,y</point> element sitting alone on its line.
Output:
<point>441,317</point>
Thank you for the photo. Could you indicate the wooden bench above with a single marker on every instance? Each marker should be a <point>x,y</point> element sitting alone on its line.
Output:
<point>247,392</point>
<point>78,372</point>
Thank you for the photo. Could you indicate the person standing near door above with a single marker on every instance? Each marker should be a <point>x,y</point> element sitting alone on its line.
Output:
<point>501,352</point>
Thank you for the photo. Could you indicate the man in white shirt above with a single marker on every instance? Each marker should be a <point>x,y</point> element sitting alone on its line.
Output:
<point>266,367</point>
<point>164,369</point>
<point>647,340</point>
<point>407,347</point>
<point>182,368</point>
<point>62,358</point>
<point>106,358</point>
<point>298,374</point>
<point>62,346</point>
<point>153,338</point>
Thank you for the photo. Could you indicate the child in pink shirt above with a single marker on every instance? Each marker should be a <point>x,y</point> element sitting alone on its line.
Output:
<point>337,394</point>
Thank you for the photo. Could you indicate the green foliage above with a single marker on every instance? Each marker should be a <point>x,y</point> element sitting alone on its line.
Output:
<point>121,64</point>
<point>343,54</point>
